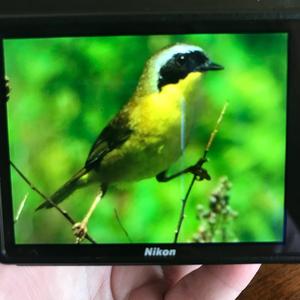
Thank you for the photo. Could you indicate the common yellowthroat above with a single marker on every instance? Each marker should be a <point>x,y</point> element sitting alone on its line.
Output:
<point>144,139</point>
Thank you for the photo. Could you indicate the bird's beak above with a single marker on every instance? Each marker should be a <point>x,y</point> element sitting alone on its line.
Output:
<point>209,66</point>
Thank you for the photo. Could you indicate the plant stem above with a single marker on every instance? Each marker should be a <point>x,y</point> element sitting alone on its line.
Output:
<point>200,163</point>
<point>35,189</point>
<point>184,201</point>
<point>122,226</point>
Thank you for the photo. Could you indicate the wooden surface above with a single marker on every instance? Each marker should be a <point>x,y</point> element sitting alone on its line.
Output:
<point>274,282</point>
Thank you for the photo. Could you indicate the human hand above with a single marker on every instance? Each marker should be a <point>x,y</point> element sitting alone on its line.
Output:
<point>126,282</point>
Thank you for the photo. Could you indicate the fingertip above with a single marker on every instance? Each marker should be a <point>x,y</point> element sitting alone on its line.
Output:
<point>224,282</point>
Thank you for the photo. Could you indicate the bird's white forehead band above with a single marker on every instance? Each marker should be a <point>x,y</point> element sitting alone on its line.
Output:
<point>168,53</point>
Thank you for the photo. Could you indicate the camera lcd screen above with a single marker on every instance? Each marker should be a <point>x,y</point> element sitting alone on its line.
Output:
<point>99,125</point>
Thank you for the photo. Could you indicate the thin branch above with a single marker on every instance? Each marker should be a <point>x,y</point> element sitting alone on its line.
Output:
<point>200,163</point>
<point>181,216</point>
<point>35,189</point>
<point>123,228</point>
<point>20,209</point>
<point>216,129</point>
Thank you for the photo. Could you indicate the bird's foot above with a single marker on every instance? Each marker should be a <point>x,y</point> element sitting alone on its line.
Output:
<point>199,171</point>
<point>80,231</point>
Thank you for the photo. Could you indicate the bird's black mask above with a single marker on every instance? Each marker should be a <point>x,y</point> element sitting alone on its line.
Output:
<point>181,64</point>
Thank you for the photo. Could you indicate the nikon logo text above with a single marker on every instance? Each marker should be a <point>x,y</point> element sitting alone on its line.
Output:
<point>156,251</point>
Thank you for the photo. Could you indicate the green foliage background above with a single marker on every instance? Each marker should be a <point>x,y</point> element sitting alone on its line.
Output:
<point>64,91</point>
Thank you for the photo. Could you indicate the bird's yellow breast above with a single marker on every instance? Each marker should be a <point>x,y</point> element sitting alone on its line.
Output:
<point>159,122</point>
<point>157,112</point>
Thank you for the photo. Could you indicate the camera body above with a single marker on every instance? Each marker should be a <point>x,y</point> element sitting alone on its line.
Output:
<point>63,62</point>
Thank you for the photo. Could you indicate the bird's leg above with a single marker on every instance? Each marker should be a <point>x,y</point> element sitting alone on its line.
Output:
<point>196,169</point>
<point>80,228</point>
<point>199,171</point>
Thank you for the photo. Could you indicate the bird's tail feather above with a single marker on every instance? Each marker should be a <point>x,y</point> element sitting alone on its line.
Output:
<point>65,191</point>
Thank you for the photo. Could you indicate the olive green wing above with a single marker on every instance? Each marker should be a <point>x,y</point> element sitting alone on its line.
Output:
<point>111,137</point>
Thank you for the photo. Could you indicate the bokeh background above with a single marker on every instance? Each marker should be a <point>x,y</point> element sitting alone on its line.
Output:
<point>65,90</point>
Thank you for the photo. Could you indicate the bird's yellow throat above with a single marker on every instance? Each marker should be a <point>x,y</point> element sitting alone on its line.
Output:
<point>158,111</point>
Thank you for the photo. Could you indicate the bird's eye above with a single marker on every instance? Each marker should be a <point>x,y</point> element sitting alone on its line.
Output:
<point>181,59</point>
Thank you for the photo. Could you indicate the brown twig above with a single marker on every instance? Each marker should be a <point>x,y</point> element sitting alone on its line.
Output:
<point>35,189</point>
<point>199,164</point>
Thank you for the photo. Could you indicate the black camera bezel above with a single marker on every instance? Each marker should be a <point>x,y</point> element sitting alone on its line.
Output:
<point>134,253</point>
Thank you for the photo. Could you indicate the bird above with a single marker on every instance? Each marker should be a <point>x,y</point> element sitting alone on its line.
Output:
<point>144,138</point>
